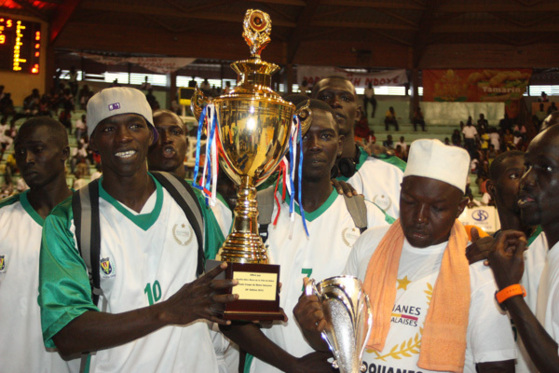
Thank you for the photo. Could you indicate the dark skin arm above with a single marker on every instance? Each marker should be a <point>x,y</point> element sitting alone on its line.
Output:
<point>251,339</point>
<point>496,367</point>
<point>200,299</point>
<point>507,263</point>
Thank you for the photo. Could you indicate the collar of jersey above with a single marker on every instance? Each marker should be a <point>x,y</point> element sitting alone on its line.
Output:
<point>534,235</point>
<point>310,216</point>
<point>144,221</point>
<point>29,209</point>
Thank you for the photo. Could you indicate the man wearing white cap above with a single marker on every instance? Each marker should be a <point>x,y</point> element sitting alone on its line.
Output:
<point>148,260</point>
<point>431,310</point>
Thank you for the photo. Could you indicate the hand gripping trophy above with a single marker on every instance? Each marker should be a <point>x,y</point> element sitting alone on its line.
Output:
<point>254,126</point>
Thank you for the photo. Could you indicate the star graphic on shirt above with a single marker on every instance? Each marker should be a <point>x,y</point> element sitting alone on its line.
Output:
<point>403,283</point>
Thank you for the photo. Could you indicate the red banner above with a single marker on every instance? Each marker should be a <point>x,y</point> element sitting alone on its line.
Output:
<point>475,85</point>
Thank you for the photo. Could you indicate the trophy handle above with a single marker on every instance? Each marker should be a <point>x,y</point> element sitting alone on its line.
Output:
<point>198,102</point>
<point>304,113</point>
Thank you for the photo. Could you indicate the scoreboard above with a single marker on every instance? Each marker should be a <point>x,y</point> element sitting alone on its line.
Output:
<point>20,45</point>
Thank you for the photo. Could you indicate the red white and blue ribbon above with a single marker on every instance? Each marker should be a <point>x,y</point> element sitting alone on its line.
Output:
<point>288,176</point>
<point>207,183</point>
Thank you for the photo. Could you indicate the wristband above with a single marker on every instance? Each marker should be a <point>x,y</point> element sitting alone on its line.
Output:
<point>510,291</point>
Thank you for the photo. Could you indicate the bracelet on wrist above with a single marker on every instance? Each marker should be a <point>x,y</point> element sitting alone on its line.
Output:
<point>509,292</point>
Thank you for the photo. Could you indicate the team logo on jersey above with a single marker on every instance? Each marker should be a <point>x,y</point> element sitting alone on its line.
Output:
<point>350,235</point>
<point>2,263</point>
<point>106,267</point>
<point>382,201</point>
<point>182,233</point>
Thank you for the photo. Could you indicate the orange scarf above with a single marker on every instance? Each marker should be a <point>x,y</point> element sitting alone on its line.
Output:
<point>443,344</point>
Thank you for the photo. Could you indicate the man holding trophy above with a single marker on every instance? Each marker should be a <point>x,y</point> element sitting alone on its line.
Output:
<point>431,310</point>
<point>321,254</point>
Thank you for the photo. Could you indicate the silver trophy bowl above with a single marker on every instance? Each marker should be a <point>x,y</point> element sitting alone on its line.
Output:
<point>348,317</point>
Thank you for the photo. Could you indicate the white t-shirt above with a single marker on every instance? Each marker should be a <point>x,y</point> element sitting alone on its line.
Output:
<point>534,263</point>
<point>80,124</point>
<point>321,255</point>
<point>403,145</point>
<point>495,140</point>
<point>547,308</point>
<point>145,258</point>
<point>469,132</point>
<point>21,340</point>
<point>489,335</point>
<point>380,182</point>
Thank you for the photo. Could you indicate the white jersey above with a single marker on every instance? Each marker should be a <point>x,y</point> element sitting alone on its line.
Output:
<point>534,263</point>
<point>379,182</point>
<point>547,309</point>
<point>489,335</point>
<point>223,215</point>
<point>321,255</point>
<point>145,258</point>
<point>21,341</point>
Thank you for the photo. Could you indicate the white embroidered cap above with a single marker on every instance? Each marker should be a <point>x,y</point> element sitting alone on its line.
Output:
<point>435,160</point>
<point>115,101</point>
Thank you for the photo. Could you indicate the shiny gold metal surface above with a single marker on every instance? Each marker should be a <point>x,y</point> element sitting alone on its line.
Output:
<point>254,128</point>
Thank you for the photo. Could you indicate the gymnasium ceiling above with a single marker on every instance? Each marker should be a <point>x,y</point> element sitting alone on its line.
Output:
<point>361,33</point>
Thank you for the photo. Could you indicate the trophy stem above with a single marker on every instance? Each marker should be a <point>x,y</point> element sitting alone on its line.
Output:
<point>244,245</point>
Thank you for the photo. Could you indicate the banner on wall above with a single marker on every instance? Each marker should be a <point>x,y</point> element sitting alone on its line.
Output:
<point>477,85</point>
<point>313,74</point>
<point>162,65</point>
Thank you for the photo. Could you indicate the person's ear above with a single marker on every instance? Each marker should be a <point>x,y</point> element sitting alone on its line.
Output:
<point>92,144</point>
<point>65,153</point>
<point>491,189</point>
<point>358,113</point>
<point>461,206</point>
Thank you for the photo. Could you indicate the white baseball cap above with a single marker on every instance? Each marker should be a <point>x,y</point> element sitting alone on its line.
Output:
<point>115,101</point>
<point>435,160</point>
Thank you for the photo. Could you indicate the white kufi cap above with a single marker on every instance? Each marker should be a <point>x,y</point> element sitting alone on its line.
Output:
<point>115,101</point>
<point>435,160</point>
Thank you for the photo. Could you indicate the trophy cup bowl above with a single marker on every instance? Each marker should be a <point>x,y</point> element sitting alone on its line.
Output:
<point>349,320</point>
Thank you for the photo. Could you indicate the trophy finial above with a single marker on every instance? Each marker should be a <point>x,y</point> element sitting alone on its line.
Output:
<point>257,27</point>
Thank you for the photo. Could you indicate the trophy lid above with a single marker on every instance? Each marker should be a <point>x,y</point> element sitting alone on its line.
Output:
<point>257,27</point>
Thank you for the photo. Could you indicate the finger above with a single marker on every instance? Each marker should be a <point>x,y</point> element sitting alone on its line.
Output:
<point>224,298</point>
<point>475,234</point>
<point>219,320</point>
<point>321,326</point>
<point>223,284</point>
<point>215,271</point>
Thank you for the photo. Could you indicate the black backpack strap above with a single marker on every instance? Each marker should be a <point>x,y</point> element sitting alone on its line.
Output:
<point>265,200</point>
<point>358,211</point>
<point>85,206</point>
<point>183,194</point>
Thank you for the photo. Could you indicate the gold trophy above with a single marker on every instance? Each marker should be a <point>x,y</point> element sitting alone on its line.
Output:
<point>254,126</point>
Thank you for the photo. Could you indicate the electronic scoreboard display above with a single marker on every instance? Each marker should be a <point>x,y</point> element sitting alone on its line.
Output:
<point>20,45</point>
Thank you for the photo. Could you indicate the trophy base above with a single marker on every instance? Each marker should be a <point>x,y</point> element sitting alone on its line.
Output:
<point>257,289</point>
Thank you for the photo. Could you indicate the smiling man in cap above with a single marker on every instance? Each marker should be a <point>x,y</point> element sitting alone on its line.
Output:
<point>148,260</point>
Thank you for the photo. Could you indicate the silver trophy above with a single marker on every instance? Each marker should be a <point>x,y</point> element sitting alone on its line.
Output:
<point>348,320</point>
